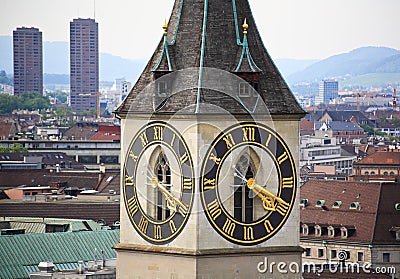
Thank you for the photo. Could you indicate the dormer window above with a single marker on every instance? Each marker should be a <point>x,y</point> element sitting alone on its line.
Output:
<point>305,230</point>
<point>244,89</point>
<point>337,204</point>
<point>344,232</point>
<point>320,203</point>
<point>331,231</point>
<point>318,230</point>
<point>303,202</point>
<point>355,206</point>
<point>162,88</point>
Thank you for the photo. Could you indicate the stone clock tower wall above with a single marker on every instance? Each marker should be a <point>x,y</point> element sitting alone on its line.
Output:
<point>209,74</point>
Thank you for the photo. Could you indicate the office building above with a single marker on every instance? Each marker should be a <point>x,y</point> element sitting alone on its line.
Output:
<point>328,92</point>
<point>28,60</point>
<point>84,64</point>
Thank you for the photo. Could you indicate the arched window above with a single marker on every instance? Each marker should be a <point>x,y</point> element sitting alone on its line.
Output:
<point>385,173</point>
<point>163,173</point>
<point>243,201</point>
<point>366,173</point>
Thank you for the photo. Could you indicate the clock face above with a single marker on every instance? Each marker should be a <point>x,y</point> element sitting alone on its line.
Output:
<point>158,182</point>
<point>248,183</point>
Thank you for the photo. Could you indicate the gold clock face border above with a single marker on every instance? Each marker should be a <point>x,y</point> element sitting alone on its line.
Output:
<point>148,228</point>
<point>221,220</point>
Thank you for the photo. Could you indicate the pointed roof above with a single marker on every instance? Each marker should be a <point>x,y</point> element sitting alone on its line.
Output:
<point>203,35</point>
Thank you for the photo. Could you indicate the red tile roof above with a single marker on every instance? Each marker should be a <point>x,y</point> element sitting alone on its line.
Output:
<point>111,133</point>
<point>381,158</point>
<point>372,221</point>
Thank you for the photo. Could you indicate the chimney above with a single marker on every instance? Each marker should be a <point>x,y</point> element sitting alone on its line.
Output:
<point>46,267</point>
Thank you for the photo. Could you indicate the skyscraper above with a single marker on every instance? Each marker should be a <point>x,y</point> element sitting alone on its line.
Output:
<point>328,92</point>
<point>28,60</point>
<point>84,64</point>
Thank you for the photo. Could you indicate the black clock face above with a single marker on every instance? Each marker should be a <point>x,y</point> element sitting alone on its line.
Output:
<point>248,183</point>
<point>158,182</point>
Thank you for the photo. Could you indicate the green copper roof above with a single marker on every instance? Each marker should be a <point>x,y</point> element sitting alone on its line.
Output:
<point>20,254</point>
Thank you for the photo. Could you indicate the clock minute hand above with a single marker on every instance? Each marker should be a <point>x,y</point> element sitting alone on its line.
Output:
<point>267,197</point>
<point>172,201</point>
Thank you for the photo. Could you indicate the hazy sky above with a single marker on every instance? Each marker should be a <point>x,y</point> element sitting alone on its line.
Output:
<point>303,29</point>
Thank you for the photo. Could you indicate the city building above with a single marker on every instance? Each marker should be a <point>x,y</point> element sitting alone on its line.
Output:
<point>84,64</point>
<point>344,132</point>
<point>351,223</point>
<point>28,60</point>
<point>325,151</point>
<point>328,92</point>
<point>379,165</point>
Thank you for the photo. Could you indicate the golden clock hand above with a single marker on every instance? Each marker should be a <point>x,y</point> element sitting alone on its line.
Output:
<point>172,201</point>
<point>267,197</point>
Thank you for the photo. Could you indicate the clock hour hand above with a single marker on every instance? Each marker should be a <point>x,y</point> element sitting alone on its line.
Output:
<point>173,203</point>
<point>267,197</point>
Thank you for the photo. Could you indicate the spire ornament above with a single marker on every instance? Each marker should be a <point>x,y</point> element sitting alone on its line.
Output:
<point>245,26</point>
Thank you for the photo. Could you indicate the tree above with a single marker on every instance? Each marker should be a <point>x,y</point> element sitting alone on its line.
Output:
<point>33,100</point>
<point>8,103</point>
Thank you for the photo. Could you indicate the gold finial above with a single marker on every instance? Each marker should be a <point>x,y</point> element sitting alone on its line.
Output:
<point>165,27</point>
<point>245,26</point>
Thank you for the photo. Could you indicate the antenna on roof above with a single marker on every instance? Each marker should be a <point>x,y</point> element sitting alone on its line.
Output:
<point>94,10</point>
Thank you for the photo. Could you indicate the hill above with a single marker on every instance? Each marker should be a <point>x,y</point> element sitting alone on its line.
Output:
<point>361,61</point>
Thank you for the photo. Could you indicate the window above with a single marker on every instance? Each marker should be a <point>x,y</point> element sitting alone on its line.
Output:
<point>386,257</point>
<point>360,256</point>
<point>87,159</point>
<point>304,229</point>
<point>307,252</point>
<point>331,231</point>
<point>109,159</point>
<point>162,88</point>
<point>344,233</point>
<point>243,202</point>
<point>320,253</point>
<point>244,89</point>
<point>333,254</point>
<point>318,230</point>
<point>164,176</point>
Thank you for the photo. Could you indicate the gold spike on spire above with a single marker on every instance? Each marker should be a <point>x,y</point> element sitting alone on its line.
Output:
<point>165,27</point>
<point>245,26</point>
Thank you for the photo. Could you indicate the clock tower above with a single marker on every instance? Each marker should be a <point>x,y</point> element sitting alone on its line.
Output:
<point>209,152</point>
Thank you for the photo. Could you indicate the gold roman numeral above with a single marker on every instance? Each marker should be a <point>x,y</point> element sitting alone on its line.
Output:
<point>143,138</point>
<point>215,159</point>
<point>214,209</point>
<point>133,156</point>
<point>229,141</point>
<point>157,232</point>
<point>282,158</point>
<point>129,180</point>
<point>143,224</point>
<point>282,209</point>
<point>288,182</point>
<point>248,134</point>
<point>172,226</point>
<point>187,184</point>
<point>133,206</point>
<point>268,227</point>
<point>229,227</point>
<point>158,133</point>
<point>248,233</point>
<point>209,184</point>
<point>268,140</point>
<point>173,140</point>
<point>184,158</point>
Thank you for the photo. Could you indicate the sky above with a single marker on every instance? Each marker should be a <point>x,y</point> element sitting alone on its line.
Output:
<point>297,29</point>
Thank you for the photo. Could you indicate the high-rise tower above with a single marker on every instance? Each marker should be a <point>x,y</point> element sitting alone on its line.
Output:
<point>84,64</point>
<point>210,143</point>
<point>28,60</point>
